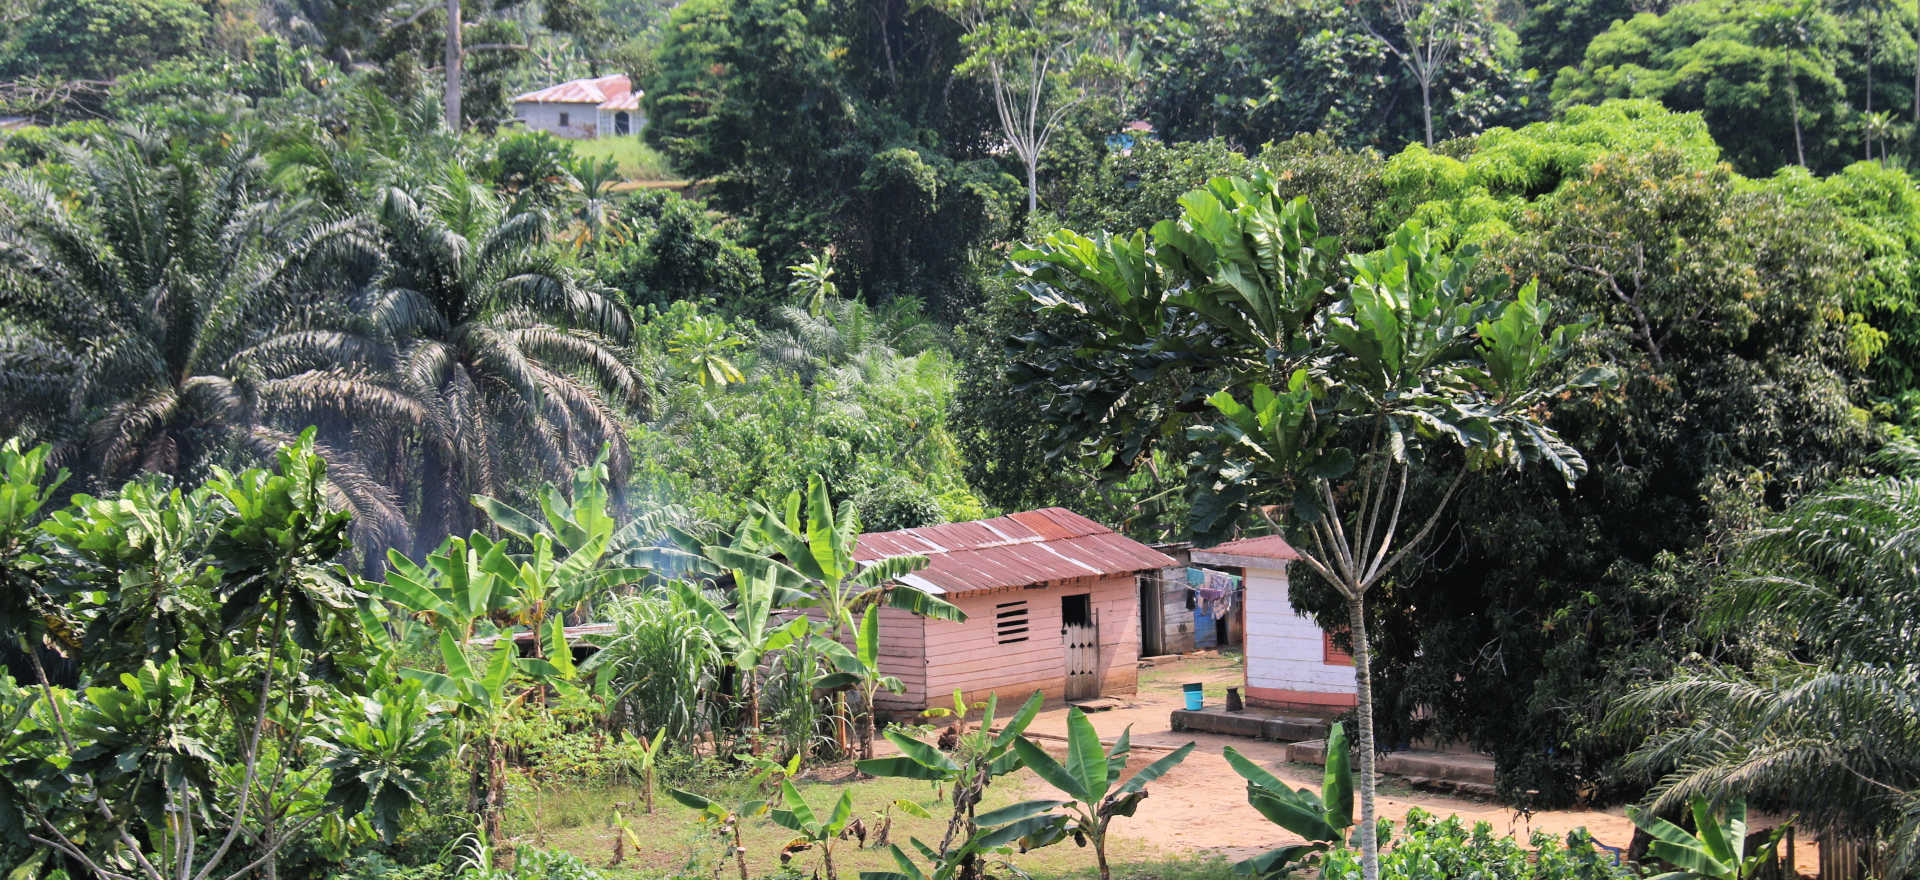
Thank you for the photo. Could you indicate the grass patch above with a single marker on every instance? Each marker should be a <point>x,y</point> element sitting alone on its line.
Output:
<point>580,821</point>
<point>1215,674</point>
<point>636,159</point>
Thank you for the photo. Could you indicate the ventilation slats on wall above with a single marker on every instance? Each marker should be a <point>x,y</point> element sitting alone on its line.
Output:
<point>1010,622</point>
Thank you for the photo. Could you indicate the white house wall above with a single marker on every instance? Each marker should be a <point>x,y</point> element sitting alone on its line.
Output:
<point>1286,650</point>
<point>610,128</point>
<point>583,120</point>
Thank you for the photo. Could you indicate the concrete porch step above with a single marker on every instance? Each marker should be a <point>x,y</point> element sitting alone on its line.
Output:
<point>1461,772</point>
<point>1252,723</point>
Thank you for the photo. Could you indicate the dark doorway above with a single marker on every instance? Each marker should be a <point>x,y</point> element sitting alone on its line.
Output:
<point>622,123</point>
<point>1076,610</point>
<point>1152,622</point>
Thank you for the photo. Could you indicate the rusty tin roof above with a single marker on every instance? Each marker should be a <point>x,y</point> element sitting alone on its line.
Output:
<point>1248,552</point>
<point>613,92</point>
<point>1010,551</point>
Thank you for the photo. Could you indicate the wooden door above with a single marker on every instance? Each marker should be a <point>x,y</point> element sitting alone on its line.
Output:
<point>1083,659</point>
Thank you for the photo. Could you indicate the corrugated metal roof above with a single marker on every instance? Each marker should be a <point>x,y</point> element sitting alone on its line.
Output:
<point>628,101</point>
<point>572,633</point>
<point>1010,551</point>
<point>1266,547</point>
<point>604,91</point>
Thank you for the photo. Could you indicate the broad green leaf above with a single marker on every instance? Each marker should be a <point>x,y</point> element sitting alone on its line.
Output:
<point>1276,862</point>
<point>902,767</point>
<point>689,799</point>
<point>1296,811</point>
<point>559,652</point>
<point>454,658</point>
<point>842,811</point>
<point>920,752</point>
<point>1018,723</point>
<point>869,638</point>
<point>1012,831</point>
<point>1251,771</point>
<point>1086,757</point>
<point>1044,766</point>
<point>1336,785</point>
<point>1015,812</point>
<point>911,808</point>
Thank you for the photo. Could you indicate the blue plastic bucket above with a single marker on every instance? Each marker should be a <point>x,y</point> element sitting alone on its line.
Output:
<point>1194,701</point>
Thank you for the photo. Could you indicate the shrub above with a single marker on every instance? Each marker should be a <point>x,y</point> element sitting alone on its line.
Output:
<point>1431,849</point>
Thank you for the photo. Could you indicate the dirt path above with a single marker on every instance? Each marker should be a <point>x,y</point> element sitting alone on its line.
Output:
<point>1201,807</point>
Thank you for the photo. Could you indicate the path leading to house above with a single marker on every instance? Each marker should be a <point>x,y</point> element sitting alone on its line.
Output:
<point>1201,806</point>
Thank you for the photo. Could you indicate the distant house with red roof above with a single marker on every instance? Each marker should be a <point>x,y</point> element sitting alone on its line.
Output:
<point>1051,600</point>
<point>606,106</point>
<point>1290,661</point>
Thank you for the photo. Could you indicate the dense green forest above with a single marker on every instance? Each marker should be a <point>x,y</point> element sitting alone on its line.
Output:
<point>1652,274</point>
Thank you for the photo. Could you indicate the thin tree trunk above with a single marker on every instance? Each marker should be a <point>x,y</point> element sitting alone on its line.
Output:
<point>753,713</point>
<point>1426,115</point>
<point>1100,852</point>
<point>1916,73</point>
<point>1033,184</point>
<point>1793,99</point>
<point>1363,698</point>
<point>739,850</point>
<point>1870,22</point>
<point>454,119</point>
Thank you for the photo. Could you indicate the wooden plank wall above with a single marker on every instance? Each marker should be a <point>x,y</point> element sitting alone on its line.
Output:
<point>1176,631</point>
<point>903,642</point>
<point>1286,650</point>
<point>968,655</point>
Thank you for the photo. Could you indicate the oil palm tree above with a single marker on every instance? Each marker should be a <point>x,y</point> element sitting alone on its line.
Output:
<point>174,315</point>
<point>596,218</point>
<point>1822,720</point>
<point>525,368</point>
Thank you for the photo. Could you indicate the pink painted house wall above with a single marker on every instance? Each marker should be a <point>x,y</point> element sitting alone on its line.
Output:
<point>980,656</point>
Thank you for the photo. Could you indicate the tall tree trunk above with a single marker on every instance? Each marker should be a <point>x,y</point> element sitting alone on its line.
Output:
<point>1916,73</point>
<point>753,712</point>
<point>454,119</point>
<point>1793,103</point>
<point>1869,138</point>
<point>1426,116</point>
<point>1033,183</point>
<point>1363,699</point>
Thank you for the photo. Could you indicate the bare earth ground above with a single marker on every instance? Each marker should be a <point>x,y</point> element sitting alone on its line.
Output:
<point>1200,807</point>
<point>1197,811</point>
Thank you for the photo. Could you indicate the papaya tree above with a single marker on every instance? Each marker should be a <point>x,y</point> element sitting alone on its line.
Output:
<point>1316,390</point>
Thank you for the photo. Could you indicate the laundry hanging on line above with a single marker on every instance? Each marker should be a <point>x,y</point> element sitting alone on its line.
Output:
<point>1213,588</point>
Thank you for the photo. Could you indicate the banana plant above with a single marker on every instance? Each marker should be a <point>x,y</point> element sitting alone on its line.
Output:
<point>1087,778</point>
<point>723,823</point>
<point>644,761</point>
<point>814,556</point>
<point>463,583</point>
<point>859,668</point>
<point>1715,850</point>
<point>795,814</point>
<point>747,631</point>
<point>984,755</point>
<point>1321,819</point>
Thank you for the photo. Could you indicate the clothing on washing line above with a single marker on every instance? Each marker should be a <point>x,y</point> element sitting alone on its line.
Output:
<point>1214,588</point>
